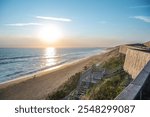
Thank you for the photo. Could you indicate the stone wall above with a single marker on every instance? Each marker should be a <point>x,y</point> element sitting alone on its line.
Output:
<point>135,61</point>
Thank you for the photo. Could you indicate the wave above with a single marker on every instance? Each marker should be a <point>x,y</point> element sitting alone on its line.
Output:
<point>8,62</point>
<point>22,73</point>
<point>14,73</point>
<point>8,58</point>
<point>24,59</point>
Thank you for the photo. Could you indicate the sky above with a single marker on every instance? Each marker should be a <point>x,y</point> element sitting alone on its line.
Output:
<point>73,23</point>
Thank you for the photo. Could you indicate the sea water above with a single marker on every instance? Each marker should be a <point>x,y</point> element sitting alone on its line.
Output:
<point>16,62</point>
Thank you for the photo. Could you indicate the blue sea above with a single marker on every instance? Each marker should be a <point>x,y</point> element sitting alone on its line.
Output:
<point>16,62</point>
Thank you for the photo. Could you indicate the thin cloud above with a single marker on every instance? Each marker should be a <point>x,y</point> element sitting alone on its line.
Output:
<point>143,18</point>
<point>142,6</point>
<point>24,24</point>
<point>54,18</point>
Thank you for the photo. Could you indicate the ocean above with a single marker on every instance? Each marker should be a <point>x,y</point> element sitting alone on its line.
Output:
<point>16,62</point>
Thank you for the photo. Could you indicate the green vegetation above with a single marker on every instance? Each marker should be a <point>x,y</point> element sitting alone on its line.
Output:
<point>109,87</point>
<point>112,83</point>
<point>66,88</point>
<point>114,63</point>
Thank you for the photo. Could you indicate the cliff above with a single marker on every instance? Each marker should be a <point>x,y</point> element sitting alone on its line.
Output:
<point>147,44</point>
<point>123,48</point>
<point>135,61</point>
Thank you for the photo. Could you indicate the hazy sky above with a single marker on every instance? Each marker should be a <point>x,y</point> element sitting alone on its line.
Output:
<point>83,23</point>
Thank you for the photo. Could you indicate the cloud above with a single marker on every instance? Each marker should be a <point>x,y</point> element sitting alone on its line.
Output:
<point>54,18</point>
<point>39,24</point>
<point>142,6</point>
<point>24,24</point>
<point>143,18</point>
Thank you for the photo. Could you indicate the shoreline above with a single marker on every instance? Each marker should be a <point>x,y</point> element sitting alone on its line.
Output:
<point>45,71</point>
<point>45,82</point>
<point>40,73</point>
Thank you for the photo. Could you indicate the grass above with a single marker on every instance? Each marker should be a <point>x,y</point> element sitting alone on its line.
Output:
<point>66,88</point>
<point>108,88</point>
<point>114,63</point>
<point>111,84</point>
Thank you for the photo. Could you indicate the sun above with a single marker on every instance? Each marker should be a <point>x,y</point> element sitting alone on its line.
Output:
<point>50,33</point>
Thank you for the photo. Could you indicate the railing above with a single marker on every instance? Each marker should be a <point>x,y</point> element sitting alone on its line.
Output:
<point>139,88</point>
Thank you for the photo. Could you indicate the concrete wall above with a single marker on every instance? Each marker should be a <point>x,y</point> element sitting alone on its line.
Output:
<point>135,61</point>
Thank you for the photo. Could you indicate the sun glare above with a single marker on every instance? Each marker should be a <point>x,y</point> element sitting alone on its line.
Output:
<point>50,33</point>
<point>50,54</point>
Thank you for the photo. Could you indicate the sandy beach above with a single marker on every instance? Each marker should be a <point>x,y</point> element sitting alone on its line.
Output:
<point>45,82</point>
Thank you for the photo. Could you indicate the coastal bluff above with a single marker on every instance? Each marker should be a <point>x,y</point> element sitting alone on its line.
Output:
<point>137,64</point>
<point>135,61</point>
<point>136,57</point>
<point>147,44</point>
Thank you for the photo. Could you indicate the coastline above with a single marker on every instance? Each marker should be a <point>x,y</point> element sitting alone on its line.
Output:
<point>48,68</point>
<point>39,73</point>
<point>46,81</point>
<point>44,71</point>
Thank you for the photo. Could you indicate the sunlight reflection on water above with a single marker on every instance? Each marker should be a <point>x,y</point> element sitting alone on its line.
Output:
<point>50,54</point>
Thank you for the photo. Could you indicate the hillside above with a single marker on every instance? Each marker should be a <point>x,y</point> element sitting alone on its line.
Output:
<point>111,83</point>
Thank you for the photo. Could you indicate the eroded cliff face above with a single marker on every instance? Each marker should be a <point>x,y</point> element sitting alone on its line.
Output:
<point>135,61</point>
<point>123,49</point>
<point>147,44</point>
